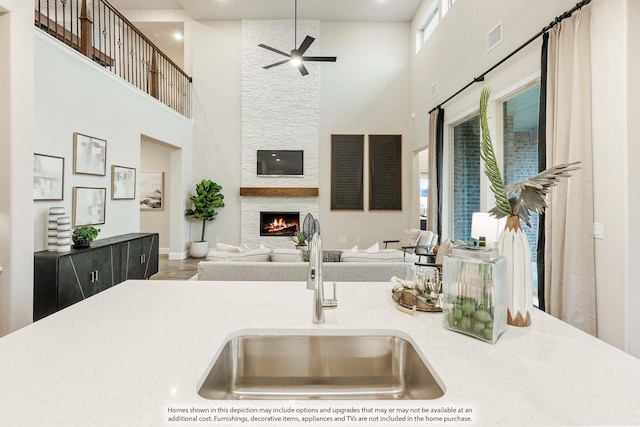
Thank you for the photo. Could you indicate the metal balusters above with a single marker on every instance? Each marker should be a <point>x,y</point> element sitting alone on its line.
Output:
<point>97,30</point>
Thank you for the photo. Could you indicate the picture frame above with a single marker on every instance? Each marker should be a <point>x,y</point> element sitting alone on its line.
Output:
<point>89,155</point>
<point>123,183</point>
<point>48,177</point>
<point>385,172</point>
<point>347,172</point>
<point>89,205</point>
<point>151,190</point>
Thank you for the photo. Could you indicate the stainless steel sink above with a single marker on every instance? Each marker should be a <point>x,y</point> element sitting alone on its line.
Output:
<point>319,367</point>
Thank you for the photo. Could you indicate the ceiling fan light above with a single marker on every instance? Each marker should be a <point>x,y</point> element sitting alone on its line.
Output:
<point>295,61</point>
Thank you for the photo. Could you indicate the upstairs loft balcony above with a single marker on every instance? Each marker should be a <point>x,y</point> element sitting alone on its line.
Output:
<point>97,30</point>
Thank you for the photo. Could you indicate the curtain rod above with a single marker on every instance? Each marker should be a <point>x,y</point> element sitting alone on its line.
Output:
<point>480,78</point>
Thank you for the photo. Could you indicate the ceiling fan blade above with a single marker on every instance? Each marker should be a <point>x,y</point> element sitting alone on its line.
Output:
<point>266,67</point>
<point>274,50</point>
<point>320,58</point>
<point>305,45</point>
<point>302,69</point>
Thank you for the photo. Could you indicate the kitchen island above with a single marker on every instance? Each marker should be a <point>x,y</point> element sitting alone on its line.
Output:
<point>134,355</point>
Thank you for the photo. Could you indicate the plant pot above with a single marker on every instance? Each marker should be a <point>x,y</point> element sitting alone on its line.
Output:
<point>80,242</point>
<point>199,249</point>
<point>514,246</point>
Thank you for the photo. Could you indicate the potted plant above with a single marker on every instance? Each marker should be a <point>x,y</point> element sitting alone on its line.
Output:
<point>203,208</point>
<point>84,236</point>
<point>299,239</point>
<point>517,202</point>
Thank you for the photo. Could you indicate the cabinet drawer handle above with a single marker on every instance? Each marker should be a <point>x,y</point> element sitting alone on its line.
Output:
<point>93,276</point>
<point>97,276</point>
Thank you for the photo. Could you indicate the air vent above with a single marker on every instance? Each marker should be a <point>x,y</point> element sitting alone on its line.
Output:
<point>434,89</point>
<point>494,37</point>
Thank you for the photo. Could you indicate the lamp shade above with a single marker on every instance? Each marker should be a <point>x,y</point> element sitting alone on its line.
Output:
<point>486,225</point>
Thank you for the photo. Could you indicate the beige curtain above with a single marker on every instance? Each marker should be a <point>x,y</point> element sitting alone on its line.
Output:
<point>569,251</point>
<point>432,208</point>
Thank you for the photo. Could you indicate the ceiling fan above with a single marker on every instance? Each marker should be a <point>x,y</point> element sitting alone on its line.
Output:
<point>296,57</point>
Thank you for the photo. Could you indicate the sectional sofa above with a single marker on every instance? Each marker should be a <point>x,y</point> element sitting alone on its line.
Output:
<point>289,265</point>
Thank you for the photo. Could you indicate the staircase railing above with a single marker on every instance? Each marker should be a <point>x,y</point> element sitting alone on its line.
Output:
<point>97,30</point>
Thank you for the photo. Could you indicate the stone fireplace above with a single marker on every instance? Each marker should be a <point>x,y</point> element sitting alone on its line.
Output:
<point>275,116</point>
<point>279,223</point>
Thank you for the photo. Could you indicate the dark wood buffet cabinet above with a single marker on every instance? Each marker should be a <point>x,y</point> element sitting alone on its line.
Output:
<point>63,278</point>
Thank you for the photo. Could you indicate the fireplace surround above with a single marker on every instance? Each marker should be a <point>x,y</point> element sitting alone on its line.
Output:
<point>279,223</point>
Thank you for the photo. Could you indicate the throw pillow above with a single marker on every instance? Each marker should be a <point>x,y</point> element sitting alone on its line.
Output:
<point>443,250</point>
<point>223,247</point>
<point>375,248</point>
<point>426,238</point>
<point>354,249</point>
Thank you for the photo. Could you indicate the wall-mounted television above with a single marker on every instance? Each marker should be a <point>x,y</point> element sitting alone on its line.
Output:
<point>280,163</point>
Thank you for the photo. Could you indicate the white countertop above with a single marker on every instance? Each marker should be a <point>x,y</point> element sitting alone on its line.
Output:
<point>123,357</point>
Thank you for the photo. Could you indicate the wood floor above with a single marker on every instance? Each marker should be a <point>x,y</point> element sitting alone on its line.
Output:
<point>182,269</point>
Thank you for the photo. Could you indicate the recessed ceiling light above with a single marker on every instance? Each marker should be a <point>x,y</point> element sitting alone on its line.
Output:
<point>177,36</point>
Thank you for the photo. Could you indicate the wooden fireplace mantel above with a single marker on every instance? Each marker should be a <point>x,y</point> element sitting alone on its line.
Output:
<point>279,191</point>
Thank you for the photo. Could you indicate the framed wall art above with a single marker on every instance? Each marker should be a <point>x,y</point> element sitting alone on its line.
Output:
<point>89,205</point>
<point>48,177</point>
<point>89,155</point>
<point>385,172</point>
<point>347,160</point>
<point>123,183</point>
<point>151,190</point>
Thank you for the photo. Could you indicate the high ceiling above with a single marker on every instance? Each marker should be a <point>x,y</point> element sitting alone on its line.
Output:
<point>324,10</point>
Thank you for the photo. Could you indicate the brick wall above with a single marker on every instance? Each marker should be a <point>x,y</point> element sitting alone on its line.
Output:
<point>521,162</point>
<point>466,165</point>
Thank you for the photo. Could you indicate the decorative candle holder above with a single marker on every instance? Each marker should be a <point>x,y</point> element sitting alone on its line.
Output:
<point>55,212</point>
<point>64,234</point>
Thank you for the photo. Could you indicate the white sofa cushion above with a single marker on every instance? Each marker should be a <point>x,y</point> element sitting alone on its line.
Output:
<point>253,271</point>
<point>286,255</point>
<point>297,271</point>
<point>260,254</point>
<point>385,255</point>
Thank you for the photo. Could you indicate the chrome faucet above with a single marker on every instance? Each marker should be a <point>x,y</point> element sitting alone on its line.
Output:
<point>315,283</point>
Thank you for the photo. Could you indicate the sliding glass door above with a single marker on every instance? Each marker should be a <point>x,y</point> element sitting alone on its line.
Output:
<point>520,142</point>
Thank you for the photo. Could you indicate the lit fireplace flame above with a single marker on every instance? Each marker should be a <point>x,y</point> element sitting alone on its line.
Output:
<point>280,224</point>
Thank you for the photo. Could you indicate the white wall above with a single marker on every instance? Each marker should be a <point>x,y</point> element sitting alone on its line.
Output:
<point>453,58</point>
<point>16,164</point>
<point>609,124</point>
<point>632,194</point>
<point>367,91</point>
<point>76,95</point>
<point>217,117</point>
